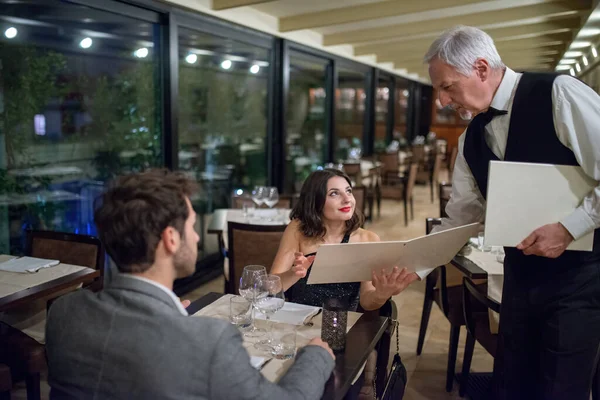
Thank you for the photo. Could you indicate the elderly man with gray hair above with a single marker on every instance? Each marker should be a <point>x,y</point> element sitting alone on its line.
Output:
<point>550,326</point>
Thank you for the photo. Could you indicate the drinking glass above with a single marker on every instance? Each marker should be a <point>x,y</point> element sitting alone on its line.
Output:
<point>284,346</point>
<point>272,197</point>
<point>248,290</point>
<point>269,300</point>
<point>240,312</point>
<point>258,195</point>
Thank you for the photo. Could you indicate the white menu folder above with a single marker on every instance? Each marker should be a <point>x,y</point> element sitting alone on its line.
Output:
<point>354,262</point>
<point>522,197</point>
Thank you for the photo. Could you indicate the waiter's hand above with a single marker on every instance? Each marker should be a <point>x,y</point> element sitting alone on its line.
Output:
<point>548,241</point>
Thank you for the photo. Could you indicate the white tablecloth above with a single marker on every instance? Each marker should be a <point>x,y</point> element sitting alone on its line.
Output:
<point>495,270</point>
<point>276,368</point>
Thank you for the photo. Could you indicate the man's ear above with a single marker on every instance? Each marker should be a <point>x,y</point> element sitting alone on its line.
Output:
<point>171,239</point>
<point>483,69</point>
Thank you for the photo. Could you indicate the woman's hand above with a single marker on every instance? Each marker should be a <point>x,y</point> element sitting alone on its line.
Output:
<point>301,264</point>
<point>391,284</point>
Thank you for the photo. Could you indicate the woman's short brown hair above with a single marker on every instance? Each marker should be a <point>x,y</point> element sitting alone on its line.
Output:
<point>135,211</point>
<point>309,209</point>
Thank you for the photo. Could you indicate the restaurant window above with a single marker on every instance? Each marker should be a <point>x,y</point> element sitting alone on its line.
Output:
<point>306,140</point>
<point>222,104</point>
<point>401,101</point>
<point>382,104</point>
<point>350,100</point>
<point>79,105</point>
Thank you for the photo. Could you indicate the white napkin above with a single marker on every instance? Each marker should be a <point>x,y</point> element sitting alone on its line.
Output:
<point>291,313</point>
<point>27,264</point>
<point>257,362</point>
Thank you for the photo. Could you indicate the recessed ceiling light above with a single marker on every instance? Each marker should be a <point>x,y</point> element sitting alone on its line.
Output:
<point>11,32</point>
<point>578,67</point>
<point>254,69</point>
<point>86,43</point>
<point>191,58</point>
<point>585,60</point>
<point>572,72</point>
<point>594,52</point>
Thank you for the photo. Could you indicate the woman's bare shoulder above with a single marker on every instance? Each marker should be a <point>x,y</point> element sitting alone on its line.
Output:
<point>363,235</point>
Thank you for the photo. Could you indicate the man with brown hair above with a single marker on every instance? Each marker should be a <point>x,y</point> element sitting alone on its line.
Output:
<point>135,339</point>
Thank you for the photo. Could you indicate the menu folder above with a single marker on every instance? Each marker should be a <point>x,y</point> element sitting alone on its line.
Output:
<point>354,262</point>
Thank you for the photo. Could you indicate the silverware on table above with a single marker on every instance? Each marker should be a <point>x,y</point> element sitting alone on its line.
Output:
<point>309,322</point>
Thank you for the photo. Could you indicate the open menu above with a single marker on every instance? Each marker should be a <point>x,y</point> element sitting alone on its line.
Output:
<point>354,262</point>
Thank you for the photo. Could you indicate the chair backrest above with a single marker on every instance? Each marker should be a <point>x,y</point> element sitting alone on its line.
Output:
<point>430,223</point>
<point>68,248</point>
<point>437,165</point>
<point>250,244</point>
<point>390,162</point>
<point>353,171</point>
<point>412,178</point>
<point>360,194</point>
<point>475,306</point>
<point>453,156</point>
<point>445,194</point>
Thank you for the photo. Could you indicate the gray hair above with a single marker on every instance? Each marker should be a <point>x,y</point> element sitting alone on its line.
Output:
<point>461,46</point>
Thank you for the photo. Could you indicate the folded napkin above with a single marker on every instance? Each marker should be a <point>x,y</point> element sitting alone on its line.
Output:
<point>257,362</point>
<point>27,264</point>
<point>291,313</point>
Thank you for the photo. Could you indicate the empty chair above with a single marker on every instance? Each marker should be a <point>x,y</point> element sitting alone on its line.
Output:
<point>477,305</point>
<point>250,244</point>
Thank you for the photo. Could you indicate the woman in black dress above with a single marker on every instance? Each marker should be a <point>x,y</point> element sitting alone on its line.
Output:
<point>325,213</point>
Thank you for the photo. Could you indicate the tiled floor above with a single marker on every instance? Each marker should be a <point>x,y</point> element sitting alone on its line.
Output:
<point>427,372</point>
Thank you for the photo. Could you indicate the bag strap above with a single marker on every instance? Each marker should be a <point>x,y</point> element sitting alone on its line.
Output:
<point>396,325</point>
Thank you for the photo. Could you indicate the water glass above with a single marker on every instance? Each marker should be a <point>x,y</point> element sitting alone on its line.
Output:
<point>480,239</point>
<point>240,312</point>
<point>248,210</point>
<point>284,342</point>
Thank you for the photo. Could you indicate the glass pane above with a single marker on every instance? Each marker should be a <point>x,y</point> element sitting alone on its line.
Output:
<point>222,115</point>
<point>350,99</point>
<point>306,120</point>
<point>79,104</point>
<point>401,111</point>
<point>382,97</point>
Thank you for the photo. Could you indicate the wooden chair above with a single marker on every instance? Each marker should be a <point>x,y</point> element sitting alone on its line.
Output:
<point>354,172</point>
<point>435,172</point>
<point>390,170</point>
<point>476,314</point>
<point>250,244</point>
<point>360,195</point>
<point>372,182</point>
<point>449,299</point>
<point>5,382</point>
<point>69,248</point>
<point>24,355</point>
<point>445,194</point>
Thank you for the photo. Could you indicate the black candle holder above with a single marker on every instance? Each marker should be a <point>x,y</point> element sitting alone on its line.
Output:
<point>334,324</point>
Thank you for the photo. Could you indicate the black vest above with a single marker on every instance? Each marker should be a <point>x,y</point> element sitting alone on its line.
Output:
<point>531,138</point>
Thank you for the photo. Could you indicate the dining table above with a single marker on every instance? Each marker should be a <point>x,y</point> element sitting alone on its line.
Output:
<point>365,330</point>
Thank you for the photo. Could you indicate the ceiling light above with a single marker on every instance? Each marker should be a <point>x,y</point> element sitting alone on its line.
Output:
<point>588,32</point>
<point>11,32</point>
<point>226,64</point>
<point>572,72</point>
<point>254,69</point>
<point>585,61</point>
<point>573,54</point>
<point>567,61</point>
<point>579,44</point>
<point>578,67</point>
<point>141,52</point>
<point>563,67</point>
<point>594,52</point>
<point>191,58</point>
<point>86,43</point>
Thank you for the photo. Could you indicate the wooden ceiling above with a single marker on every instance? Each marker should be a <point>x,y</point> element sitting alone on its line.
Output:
<point>529,34</point>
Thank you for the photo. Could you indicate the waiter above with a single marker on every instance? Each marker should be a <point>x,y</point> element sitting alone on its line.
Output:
<point>550,325</point>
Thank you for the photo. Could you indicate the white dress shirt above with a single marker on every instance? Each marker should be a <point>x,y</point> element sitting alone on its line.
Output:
<point>163,288</point>
<point>577,124</point>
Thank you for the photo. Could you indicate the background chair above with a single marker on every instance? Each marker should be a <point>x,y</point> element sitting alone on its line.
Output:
<point>360,195</point>
<point>445,194</point>
<point>476,313</point>
<point>435,172</point>
<point>449,299</point>
<point>250,244</point>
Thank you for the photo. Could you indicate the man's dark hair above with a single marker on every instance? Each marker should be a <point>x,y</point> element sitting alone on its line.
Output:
<point>134,212</point>
<point>309,209</point>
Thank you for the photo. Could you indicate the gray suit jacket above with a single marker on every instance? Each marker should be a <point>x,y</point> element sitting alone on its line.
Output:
<point>131,342</point>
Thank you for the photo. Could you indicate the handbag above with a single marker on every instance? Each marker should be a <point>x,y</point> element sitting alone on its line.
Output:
<point>396,381</point>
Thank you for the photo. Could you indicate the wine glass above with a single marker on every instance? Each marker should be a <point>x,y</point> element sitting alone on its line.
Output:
<point>248,290</point>
<point>272,197</point>
<point>269,300</point>
<point>258,195</point>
